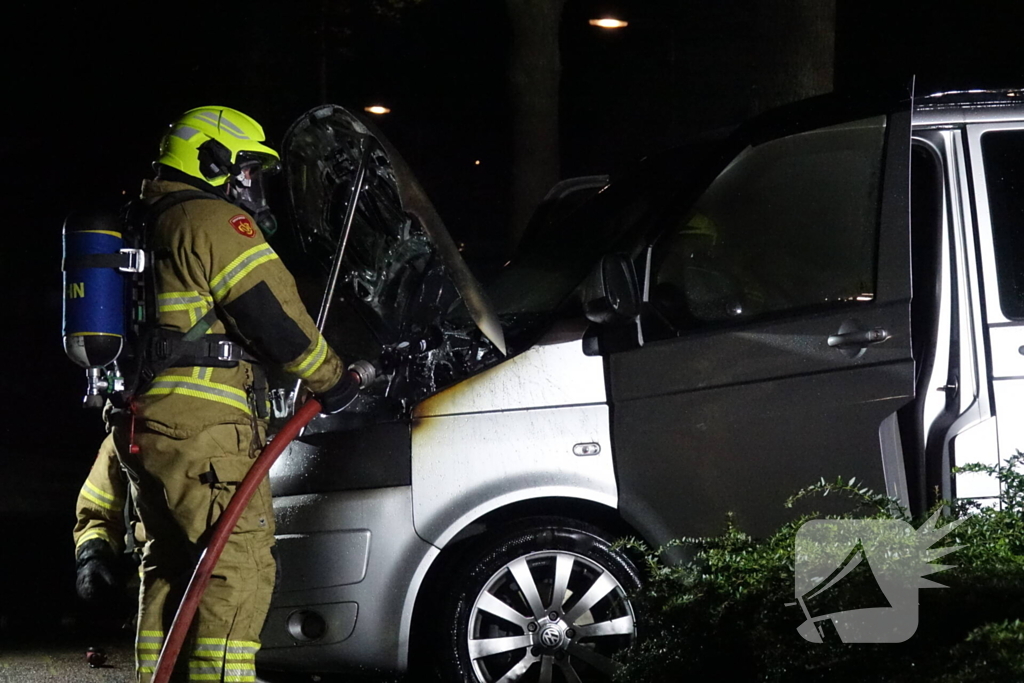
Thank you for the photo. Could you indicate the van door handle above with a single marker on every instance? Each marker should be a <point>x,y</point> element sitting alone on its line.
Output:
<point>859,338</point>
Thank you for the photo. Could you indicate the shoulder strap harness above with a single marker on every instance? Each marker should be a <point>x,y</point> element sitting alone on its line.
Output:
<point>160,348</point>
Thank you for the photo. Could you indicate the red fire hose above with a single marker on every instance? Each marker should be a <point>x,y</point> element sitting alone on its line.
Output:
<point>225,525</point>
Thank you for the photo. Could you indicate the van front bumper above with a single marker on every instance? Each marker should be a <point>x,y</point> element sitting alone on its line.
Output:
<point>350,566</point>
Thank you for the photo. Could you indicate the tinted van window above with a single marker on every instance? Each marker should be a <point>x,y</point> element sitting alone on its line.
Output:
<point>789,224</point>
<point>1003,154</point>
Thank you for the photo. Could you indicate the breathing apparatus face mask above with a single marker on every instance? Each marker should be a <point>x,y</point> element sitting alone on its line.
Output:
<point>246,189</point>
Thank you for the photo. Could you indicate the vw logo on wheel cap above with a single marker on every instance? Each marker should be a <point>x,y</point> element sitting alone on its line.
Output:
<point>551,637</point>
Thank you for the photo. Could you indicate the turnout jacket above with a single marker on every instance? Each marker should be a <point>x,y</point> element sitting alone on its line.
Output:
<point>209,253</point>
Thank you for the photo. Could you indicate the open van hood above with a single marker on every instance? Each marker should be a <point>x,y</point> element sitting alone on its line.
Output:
<point>425,315</point>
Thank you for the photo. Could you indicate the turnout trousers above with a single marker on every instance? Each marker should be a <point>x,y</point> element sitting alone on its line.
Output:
<point>181,487</point>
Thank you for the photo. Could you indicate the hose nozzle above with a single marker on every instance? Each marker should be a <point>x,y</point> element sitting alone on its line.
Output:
<point>366,372</point>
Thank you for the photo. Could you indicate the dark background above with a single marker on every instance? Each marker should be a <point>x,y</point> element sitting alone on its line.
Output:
<point>88,90</point>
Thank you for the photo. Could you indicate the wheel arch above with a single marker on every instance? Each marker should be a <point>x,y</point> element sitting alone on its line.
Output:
<point>430,588</point>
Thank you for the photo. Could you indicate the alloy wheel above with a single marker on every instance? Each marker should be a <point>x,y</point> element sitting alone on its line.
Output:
<point>549,616</point>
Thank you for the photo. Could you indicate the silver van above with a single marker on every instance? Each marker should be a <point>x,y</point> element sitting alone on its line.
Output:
<point>835,290</point>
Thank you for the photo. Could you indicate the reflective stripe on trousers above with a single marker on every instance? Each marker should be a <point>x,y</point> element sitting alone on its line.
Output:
<point>218,659</point>
<point>147,650</point>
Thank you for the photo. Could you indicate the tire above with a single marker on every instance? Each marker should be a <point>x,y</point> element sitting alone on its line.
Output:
<point>492,631</point>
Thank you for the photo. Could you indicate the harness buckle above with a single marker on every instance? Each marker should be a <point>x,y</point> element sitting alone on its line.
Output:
<point>136,260</point>
<point>228,351</point>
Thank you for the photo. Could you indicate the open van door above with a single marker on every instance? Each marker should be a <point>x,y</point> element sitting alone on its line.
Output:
<point>777,329</point>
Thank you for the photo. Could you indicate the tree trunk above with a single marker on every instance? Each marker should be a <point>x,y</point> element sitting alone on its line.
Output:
<point>534,74</point>
<point>795,51</point>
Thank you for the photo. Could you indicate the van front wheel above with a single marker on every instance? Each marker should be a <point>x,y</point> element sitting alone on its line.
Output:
<point>544,600</point>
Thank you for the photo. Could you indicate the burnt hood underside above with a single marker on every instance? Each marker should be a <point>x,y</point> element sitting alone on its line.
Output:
<point>426,319</point>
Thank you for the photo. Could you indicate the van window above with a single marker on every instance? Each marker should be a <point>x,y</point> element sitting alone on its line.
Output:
<point>789,224</point>
<point>1004,175</point>
<point>551,263</point>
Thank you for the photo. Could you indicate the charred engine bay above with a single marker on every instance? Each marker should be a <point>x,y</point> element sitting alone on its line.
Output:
<point>396,302</point>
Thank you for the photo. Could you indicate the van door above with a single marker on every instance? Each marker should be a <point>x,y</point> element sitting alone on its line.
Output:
<point>777,335</point>
<point>952,422</point>
<point>998,177</point>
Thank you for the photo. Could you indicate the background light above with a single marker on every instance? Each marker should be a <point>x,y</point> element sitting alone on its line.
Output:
<point>377,109</point>
<point>609,22</point>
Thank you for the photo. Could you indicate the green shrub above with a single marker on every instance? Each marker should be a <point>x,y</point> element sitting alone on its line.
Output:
<point>729,614</point>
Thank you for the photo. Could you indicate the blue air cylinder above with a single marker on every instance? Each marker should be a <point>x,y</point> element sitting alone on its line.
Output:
<point>94,289</point>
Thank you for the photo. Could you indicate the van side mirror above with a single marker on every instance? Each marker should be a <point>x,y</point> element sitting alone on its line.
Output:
<point>610,294</point>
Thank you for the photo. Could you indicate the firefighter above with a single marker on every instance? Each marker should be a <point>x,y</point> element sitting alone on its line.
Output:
<point>198,418</point>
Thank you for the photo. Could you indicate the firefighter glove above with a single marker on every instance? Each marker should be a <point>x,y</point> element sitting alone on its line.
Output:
<point>338,397</point>
<point>97,571</point>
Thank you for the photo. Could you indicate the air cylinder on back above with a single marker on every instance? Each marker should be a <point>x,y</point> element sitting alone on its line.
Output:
<point>94,289</point>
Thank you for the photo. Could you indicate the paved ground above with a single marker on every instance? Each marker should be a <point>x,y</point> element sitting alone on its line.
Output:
<point>64,662</point>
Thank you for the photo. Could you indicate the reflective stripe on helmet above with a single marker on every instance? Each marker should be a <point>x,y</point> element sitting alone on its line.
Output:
<point>223,124</point>
<point>186,133</point>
